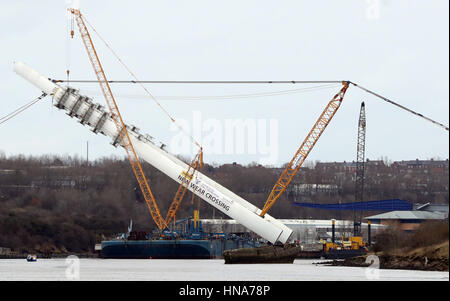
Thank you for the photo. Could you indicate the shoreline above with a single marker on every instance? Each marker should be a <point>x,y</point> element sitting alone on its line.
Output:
<point>52,256</point>
<point>417,263</point>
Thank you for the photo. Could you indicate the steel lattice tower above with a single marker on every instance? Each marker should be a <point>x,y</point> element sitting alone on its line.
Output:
<point>360,157</point>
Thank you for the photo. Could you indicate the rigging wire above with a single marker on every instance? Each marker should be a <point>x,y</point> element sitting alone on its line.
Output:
<point>257,82</point>
<point>227,97</point>
<point>70,31</point>
<point>262,82</point>
<point>136,81</point>
<point>400,106</point>
<point>21,109</point>
<point>145,89</point>
<point>88,81</point>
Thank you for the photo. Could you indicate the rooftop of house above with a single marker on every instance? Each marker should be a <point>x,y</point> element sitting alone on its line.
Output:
<point>409,215</point>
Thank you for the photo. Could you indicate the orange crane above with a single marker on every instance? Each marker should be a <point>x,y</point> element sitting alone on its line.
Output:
<point>118,121</point>
<point>125,139</point>
<point>305,148</point>
<point>280,186</point>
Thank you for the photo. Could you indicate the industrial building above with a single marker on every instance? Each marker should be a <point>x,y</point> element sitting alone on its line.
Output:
<point>405,220</point>
<point>305,231</point>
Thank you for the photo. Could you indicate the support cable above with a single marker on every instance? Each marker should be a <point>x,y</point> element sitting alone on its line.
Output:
<point>20,109</point>
<point>265,82</point>
<point>400,106</point>
<point>227,97</point>
<point>87,81</point>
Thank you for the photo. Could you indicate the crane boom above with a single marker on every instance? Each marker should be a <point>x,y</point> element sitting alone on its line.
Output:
<point>305,148</point>
<point>360,155</point>
<point>360,167</point>
<point>182,188</point>
<point>118,121</point>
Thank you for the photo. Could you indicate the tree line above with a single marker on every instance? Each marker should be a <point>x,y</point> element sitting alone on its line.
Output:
<point>59,204</point>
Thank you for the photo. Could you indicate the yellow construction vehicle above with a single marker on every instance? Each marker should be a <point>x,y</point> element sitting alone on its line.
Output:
<point>347,247</point>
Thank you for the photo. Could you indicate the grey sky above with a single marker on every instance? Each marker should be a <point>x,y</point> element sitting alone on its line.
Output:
<point>402,54</point>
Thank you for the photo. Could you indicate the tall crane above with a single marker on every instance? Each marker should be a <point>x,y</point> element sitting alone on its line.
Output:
<point>124,137</point>
<point>360,168</point>
<point>305,148</point>
<point>118,121</point>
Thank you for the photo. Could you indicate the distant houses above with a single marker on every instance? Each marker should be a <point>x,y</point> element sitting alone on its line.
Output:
<point>349,167</point>
<point>423,166</point>
<point>418,176</point>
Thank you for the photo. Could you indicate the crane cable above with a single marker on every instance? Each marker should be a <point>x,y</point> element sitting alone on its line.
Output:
<point>70,30</point>
<point>145,89</point>
<point>20,109</point>
<point>262,82</point>
<point>400,106</point>
<point>136,80</point>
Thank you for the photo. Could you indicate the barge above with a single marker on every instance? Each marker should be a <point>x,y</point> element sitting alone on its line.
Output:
<point>187,242</point>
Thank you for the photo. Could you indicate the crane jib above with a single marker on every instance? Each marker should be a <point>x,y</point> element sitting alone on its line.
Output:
<point>305,148</point>
<point>214,194</point>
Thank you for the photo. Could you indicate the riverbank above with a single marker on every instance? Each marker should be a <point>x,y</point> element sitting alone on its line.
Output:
<point>49,256</point>
<point>421,263</point>
<point>432,258</point>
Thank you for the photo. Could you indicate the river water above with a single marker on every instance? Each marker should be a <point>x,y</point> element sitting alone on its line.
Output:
<point>195,270</point>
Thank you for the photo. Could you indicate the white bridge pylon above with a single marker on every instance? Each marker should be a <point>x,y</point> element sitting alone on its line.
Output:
<point>94,116</point>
